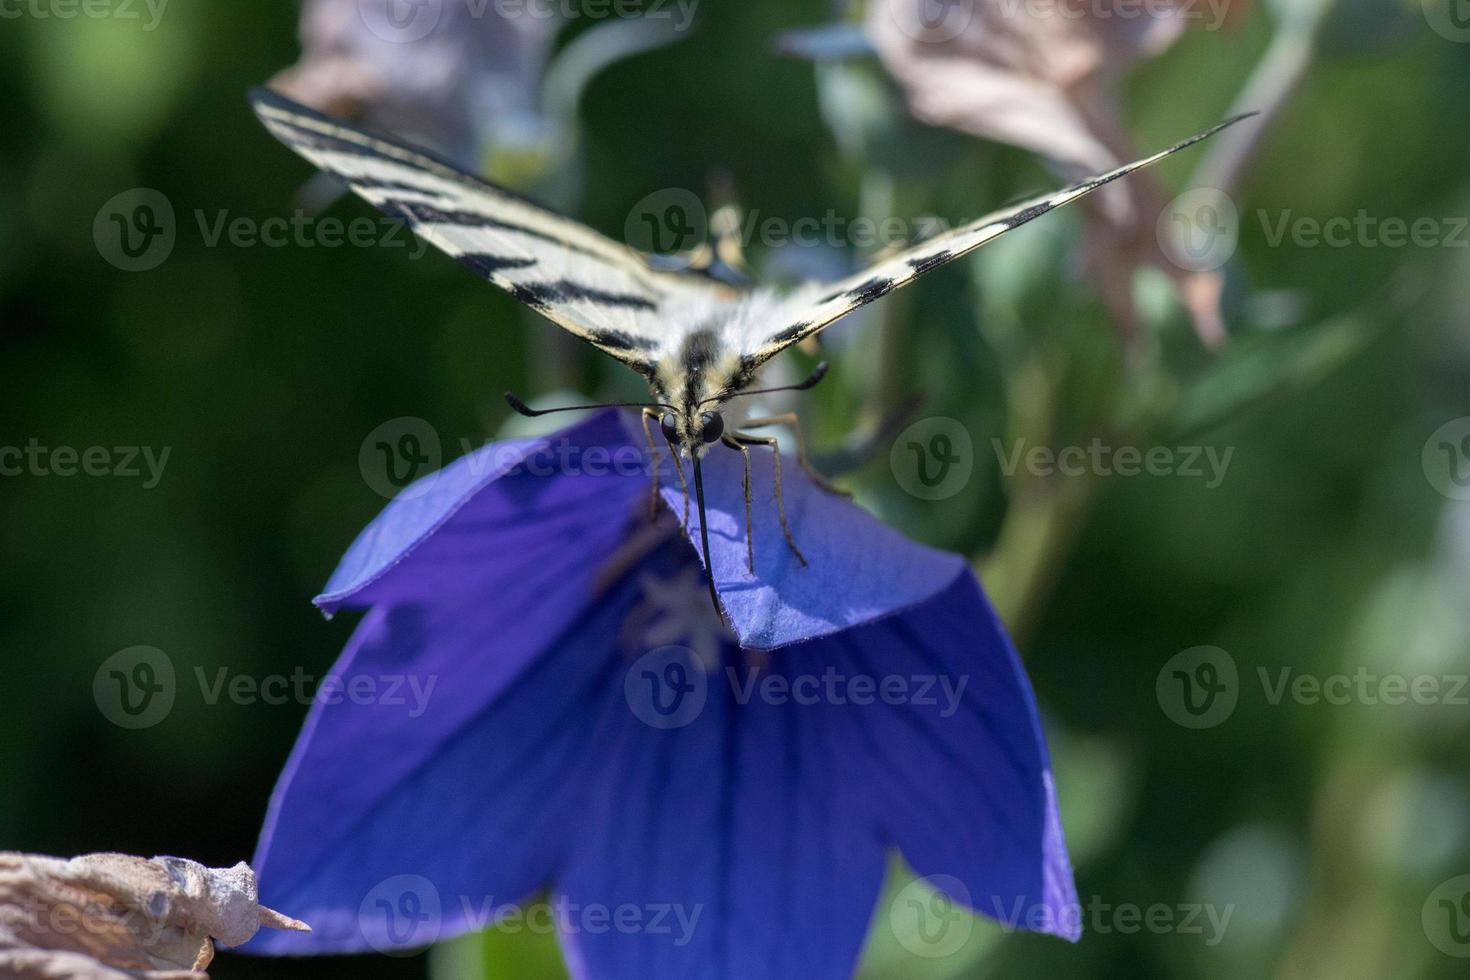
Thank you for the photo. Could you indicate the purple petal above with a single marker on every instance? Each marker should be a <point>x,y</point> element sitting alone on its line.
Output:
<point>963,787</point>
<point>858,570</point>
<point>475,575</point>
<point>394,827</point>
<point>477,524</point>
<point>759,828</point>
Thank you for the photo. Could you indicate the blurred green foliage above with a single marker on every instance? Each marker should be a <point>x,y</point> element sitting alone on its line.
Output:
<point>1326,549</point>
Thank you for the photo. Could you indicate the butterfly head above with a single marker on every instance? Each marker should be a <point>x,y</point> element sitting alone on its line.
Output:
<point>692,432</point>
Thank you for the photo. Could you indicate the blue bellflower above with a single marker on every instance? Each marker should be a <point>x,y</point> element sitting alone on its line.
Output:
<point>696,802</point>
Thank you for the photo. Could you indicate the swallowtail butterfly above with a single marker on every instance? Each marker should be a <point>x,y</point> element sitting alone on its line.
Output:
<point>698,342</point>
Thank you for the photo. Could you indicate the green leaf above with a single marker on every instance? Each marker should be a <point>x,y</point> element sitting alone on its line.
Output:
<point>1254,369</point>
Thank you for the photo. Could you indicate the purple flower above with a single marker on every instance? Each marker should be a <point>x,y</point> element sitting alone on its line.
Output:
<point>587,727</point>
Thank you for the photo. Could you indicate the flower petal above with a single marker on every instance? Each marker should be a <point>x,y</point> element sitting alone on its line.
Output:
<point>858,570</point>
<point>546,758</point>
<point>767,815</point>
<point>962,785</point>
<point>398,824</point>
<point>471,577</point>
<point>489,517</point>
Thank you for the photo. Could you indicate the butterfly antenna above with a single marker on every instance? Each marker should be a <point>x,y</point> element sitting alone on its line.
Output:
<point>521,408</point>
<point>709,568</point>
<point>812,380</point>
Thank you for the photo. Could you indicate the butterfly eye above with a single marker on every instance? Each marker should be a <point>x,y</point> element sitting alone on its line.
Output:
<point>670,424</point>
<point>712,426</point>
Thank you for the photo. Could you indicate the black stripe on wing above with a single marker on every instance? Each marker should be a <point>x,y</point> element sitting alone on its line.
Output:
<point>548,294</point>
<point>893,273</point>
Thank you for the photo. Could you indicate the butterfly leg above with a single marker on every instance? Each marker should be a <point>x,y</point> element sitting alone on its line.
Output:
<point>649,414</point>
<point>653,453</point>
<point>794,424</point>
<point>749,440</point>
<point>749,527</point>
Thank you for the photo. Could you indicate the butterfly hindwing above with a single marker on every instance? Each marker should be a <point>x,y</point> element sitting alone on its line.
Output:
<point>599,289</point>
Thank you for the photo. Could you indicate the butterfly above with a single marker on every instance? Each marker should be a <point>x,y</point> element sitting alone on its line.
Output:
<point>697,340</point>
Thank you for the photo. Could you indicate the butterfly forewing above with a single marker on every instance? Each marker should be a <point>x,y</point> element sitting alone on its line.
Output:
<point>820,308</point>
<point>601,290</point>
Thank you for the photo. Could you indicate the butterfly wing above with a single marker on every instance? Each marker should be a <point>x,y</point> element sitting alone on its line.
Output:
<point>815,309</point>
<point>598,289</point>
